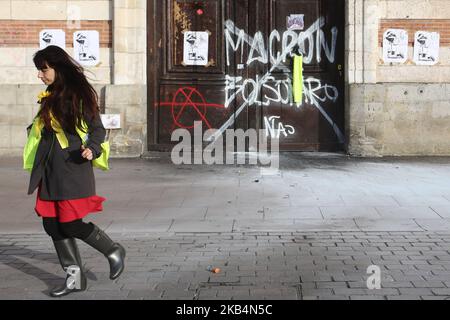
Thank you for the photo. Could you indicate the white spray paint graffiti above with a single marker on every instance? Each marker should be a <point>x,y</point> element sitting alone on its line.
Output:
<point>274,127</point>
<point>314,36</point>
<point>249,90</point>
<point>279,91</point>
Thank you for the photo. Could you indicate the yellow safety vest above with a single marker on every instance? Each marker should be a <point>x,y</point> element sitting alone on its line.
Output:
<point>34,137</point>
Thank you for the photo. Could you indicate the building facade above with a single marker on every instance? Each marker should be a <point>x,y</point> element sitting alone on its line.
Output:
<point>371,83</point>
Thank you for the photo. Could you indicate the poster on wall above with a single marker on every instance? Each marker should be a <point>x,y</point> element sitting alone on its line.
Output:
<point>195,48</point>
<point>295,22</point>
<point>86,47</point>
<point>395,46</point>
<point>426,48</point>
<point>52,37</point>
<point>110,121</point>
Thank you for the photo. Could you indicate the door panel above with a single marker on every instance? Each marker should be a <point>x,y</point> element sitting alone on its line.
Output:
<point>317,123</point>
<point>189,93</point>
<point>184,17</point>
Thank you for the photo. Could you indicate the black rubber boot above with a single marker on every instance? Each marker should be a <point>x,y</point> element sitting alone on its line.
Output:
<point>113,251</point>
<point>70,260</point>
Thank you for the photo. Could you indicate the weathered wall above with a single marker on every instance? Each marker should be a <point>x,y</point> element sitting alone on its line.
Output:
<point>119,78</point>
<point>400,119</point>
<point>18,107</point>
<point>130,101</point>
<point>21,22</point>
<point>396,109</point>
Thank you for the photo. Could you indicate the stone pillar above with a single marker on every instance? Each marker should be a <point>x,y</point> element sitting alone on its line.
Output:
<point>127,95</point>
<point>362,63</point>
<point>362,40</point>
<point>129,42</point>
<point>370,39</point>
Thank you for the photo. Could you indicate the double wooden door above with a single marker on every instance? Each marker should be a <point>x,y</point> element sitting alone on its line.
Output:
<point>228,64</point>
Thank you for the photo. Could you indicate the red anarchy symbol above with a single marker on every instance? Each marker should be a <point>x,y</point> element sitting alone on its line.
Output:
<point>189,95</point>
<point>188,98</point>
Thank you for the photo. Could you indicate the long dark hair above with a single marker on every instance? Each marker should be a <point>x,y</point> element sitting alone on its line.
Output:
<point>67,91</point>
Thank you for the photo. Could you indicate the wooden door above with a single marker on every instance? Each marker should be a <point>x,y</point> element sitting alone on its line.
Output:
<point>246,79</point>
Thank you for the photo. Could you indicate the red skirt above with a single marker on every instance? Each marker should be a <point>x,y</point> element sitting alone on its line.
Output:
<point>68,210</point>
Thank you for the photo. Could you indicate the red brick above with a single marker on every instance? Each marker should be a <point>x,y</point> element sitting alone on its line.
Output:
<point>21,33</point>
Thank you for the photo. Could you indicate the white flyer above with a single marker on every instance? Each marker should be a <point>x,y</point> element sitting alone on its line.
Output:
<point>111,121</point>
<point>395,46</point>
<point>52,37</point>
<point>86,47</point>
<point>195,49</point>
<point>426,48</point>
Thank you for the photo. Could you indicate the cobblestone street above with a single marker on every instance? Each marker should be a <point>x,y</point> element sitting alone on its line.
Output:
<point>280,266</point>
<point>309,231</point>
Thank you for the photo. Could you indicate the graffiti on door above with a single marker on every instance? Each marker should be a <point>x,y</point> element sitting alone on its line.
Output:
<point>189,100</point>
<point>274,127</point>
<point>315,92</point>
<point>315,44</point>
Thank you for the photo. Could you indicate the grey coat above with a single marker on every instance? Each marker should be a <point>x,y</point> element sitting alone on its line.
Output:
<point>65,174</point>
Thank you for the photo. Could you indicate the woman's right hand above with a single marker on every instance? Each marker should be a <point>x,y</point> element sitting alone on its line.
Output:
<point>86,153</point>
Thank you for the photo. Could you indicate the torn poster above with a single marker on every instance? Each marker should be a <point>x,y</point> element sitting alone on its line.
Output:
<point>296,22</point>
<point>395,46</point>
<point>86,47</point>
<point>195,49</point>
<point>426,48</point>
<point>111,121</point>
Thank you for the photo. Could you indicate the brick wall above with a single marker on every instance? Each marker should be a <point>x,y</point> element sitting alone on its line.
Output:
<point>25,33</point>
<point>409,72</point>
<point>442,26</point>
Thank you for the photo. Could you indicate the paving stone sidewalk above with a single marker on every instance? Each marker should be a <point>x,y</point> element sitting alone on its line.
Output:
<point>308,231</point>
<point>254,265</point>
<point>308,193</point>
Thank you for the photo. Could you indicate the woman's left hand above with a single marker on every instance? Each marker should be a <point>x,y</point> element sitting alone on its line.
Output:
<point>86,153</point>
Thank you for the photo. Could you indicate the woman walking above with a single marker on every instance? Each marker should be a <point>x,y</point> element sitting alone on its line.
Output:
<point>61,165</point>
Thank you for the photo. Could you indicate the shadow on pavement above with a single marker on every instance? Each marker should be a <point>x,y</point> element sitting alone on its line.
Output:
<point>16,260</point>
